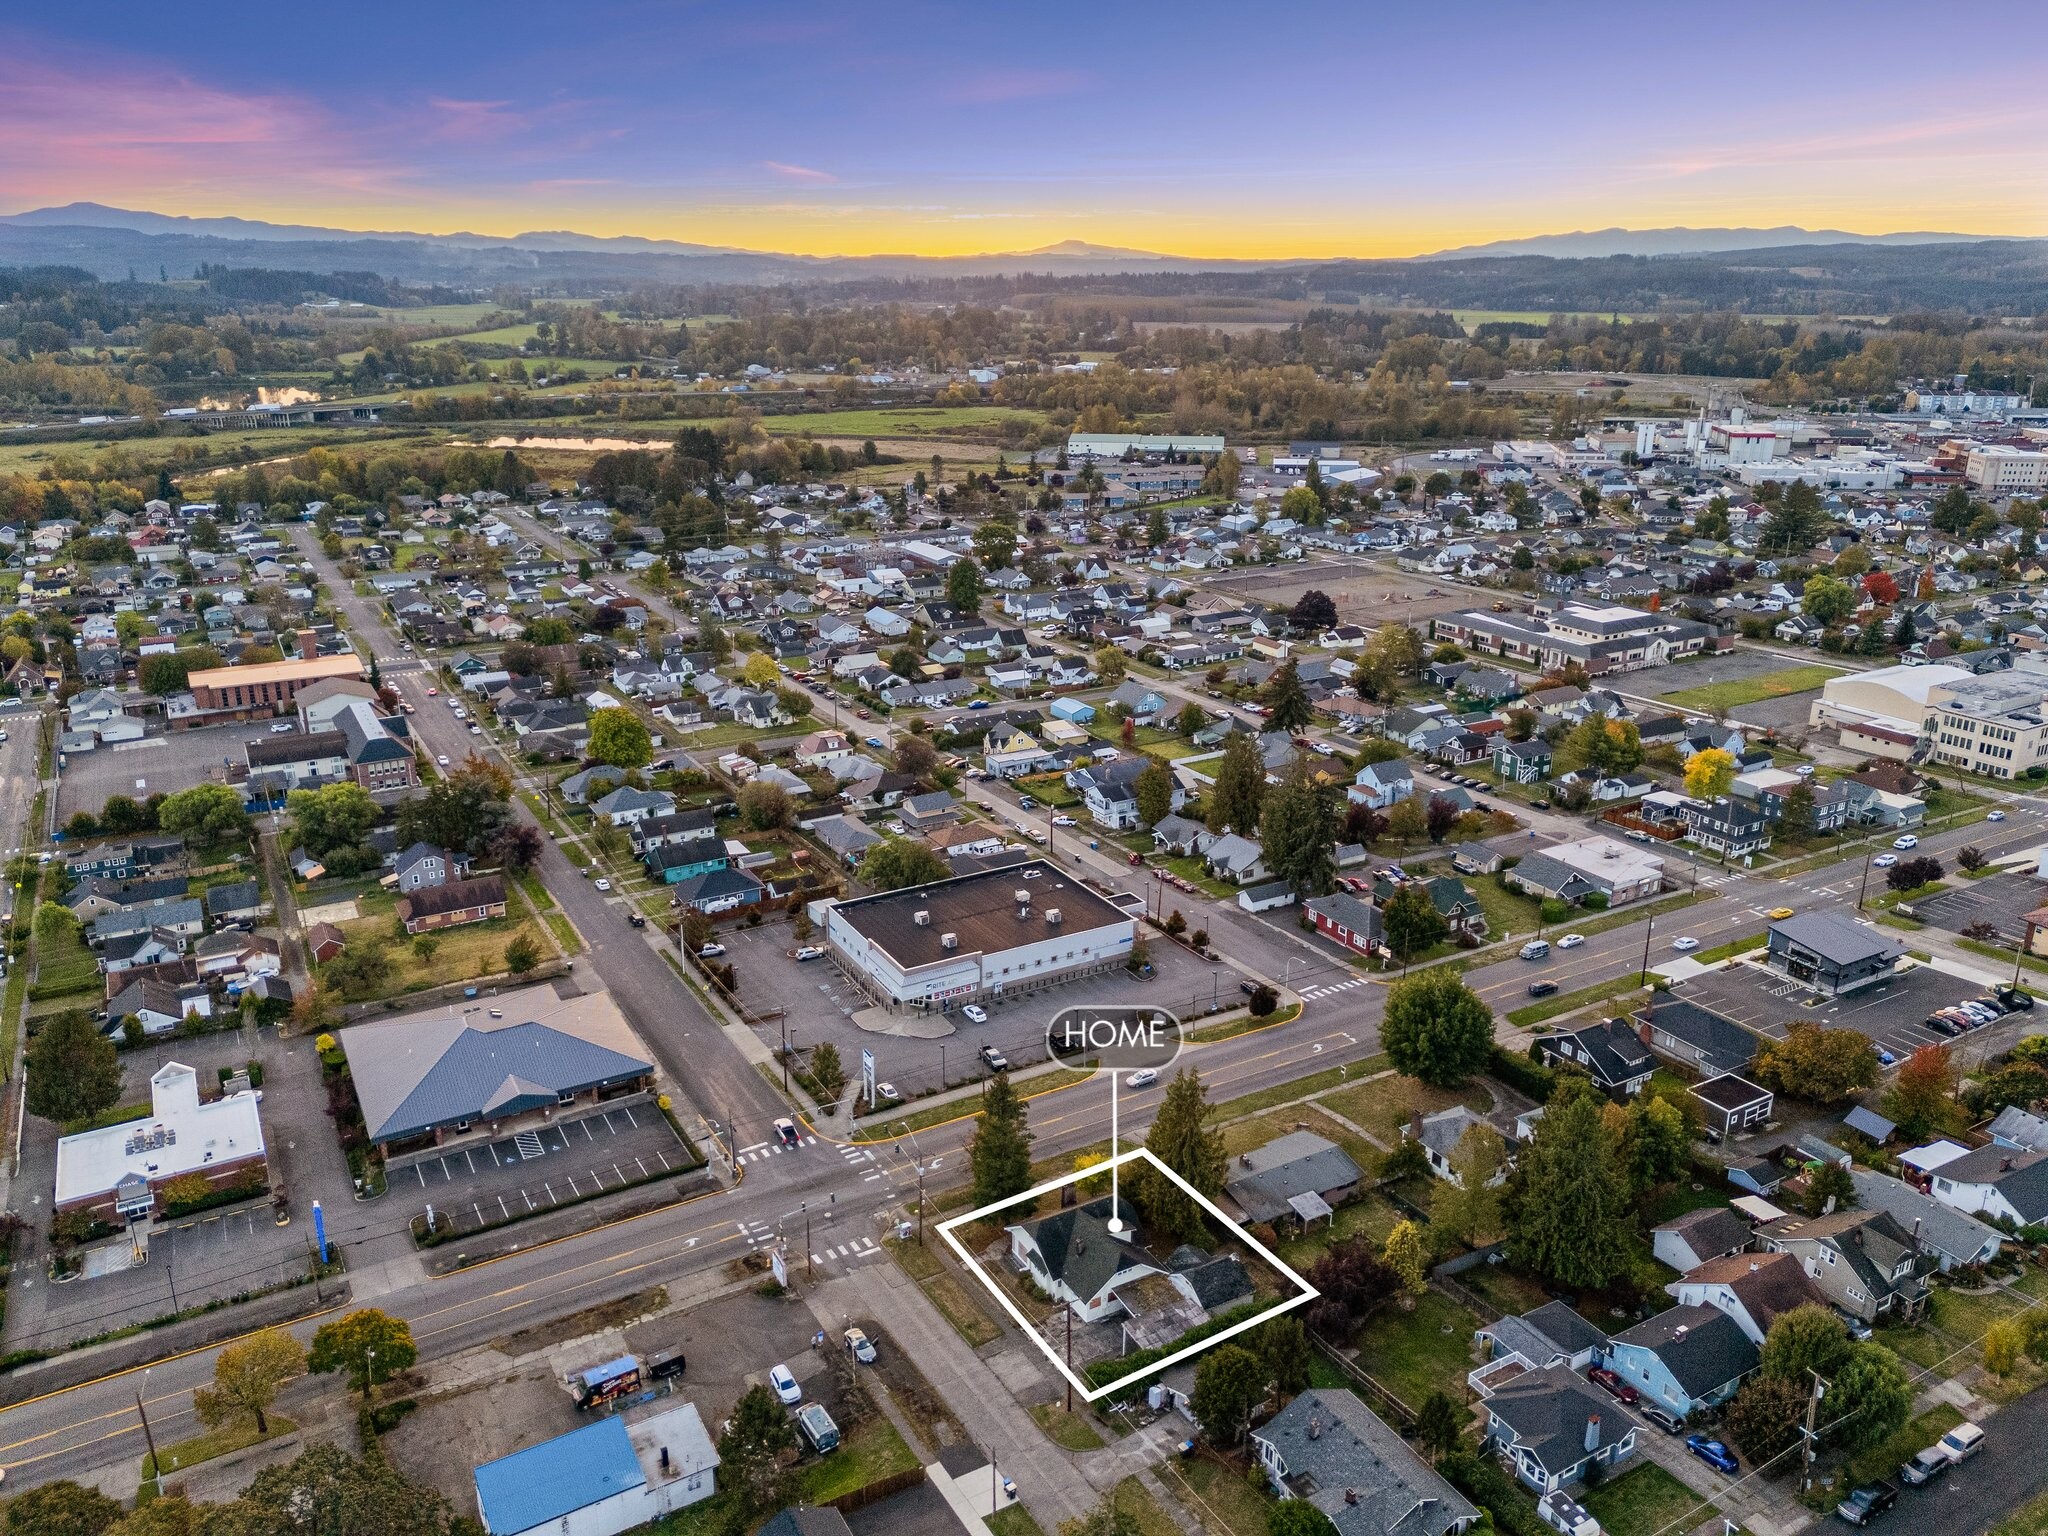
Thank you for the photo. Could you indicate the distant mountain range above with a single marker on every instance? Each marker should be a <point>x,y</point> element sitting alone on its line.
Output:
<point>1787,270</point>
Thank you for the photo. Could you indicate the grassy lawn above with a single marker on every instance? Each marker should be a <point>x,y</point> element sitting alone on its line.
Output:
<point>1135,1502</point>
<point>867,1453</point>
<point>1193,869</point>
<point>1243,1135</point>
<point>946,1292</point>
<point>1416,1353</point>
<point>1732,948</point>
<point>2030,1519</point>
<point>1752,690</point>
<point>220,1442</point>
<point>1068,1430</point>
<point>1366,1215</point>
<point>458,953</point>
<point>1224,1502</point>
<point>1383,1106</point>
<point>1645,1501</point>
<point>1622,987</point>
<point>899,421</point>
<point>1048,789</point>
<point>1013,1521</point>
<point>1506,911</point>
<point>1300,1088</point>
<point>1243,1024</point>
<point>1506,1291</point>
<point>66,965</point>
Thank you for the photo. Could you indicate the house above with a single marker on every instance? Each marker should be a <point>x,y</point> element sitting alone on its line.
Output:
<point>423,865</point>
<point>1266,897</point>
<point>1863,1261</point>
<point>1954,1239</point>
<point>2016,1127</point>
<point>927,813</point>
<point>122,1170</point>
<point>1475,859</point>
<point>1733,828</point>
<point>157,1006</point>
<point>1439,1135</point>
<point>1995,1182</point>
<point>234,901</point>
<point>1688,1241</point>
<point>1755,1289</point>
<point>1344,919</point>
<point>581,787</point>
<point>186,918</point>
<point>1550,1424</point>
<point>1235,858</point>
<point>607,1477</point>
<point>452,905</point>
<point>236,957</point>
<point>626,805</point>
<point>716,890</point>
<point>1330,1450</point>
<point>1600,869</point>
<point>324,941</point>
<point>1073,1257</point>
<point>1135,702</point>
<point>1522,762</point>
<point>1832,953</point>
<point>1382,785</point>
<point>1731,1105</point>
<point>1180,837</point>
<point>1685,1358</point>
<point>1552,1334</point>
<point>1695,1037</point>
<point>1607,1050</point>
<point>1301,1174</point>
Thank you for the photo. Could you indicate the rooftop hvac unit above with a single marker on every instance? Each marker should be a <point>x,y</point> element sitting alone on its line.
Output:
<point>1023,898</point>
<point>1052,915</point>
<point>922,918</point>
<point>949,941</point>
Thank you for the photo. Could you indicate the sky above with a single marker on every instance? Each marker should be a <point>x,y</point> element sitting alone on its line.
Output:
<point>1286,129</point>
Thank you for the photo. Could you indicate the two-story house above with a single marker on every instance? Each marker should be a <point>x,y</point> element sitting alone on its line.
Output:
<point>1863,1261</point>
<point>1685,1358</point>
<point>1073,1257</point>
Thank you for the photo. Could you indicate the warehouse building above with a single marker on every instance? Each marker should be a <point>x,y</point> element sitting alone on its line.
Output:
<point>980,935</point>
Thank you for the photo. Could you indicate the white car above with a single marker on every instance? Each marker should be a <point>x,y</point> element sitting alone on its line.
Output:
<point>785,1385</point>
<point>1064,821</point>
<point>1571,941</point>
<point>1684,945</point>
<point>974,1013</point>
<point>710,951</point>
<point>282,728</point>
<point>442,759</point>
<point>1804,770</point>
<point>604,885</point>
<point>1991,816</point>
<point>810,952</point>
<point>1144,1077</point>
<point>1885,860</point>
<point>1908,841</point>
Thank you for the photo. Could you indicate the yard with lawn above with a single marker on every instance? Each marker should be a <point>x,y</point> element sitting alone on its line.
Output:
<point>1221,1497</point>
<point>452,954</point>
<point>1414,1353</point>
<point>1384,1105</point>
<point>1645,1501</point>
<point>1952,1329</point>
<point>869,1452</point>
<point>1711,697</point>
<point>65,966</point>
<point>1507,912</point>
<point>1192,869</point>
<point>1916,1435</point>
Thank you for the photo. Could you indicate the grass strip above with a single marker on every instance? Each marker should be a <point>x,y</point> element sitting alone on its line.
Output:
<point>1568,1002</point>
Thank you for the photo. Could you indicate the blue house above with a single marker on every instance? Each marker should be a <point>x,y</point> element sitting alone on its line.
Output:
<point>1075,710</point>
<point>718,890</point>
<point>602,1479</point>
<point>1684,1358</point>
<point>673,863</point>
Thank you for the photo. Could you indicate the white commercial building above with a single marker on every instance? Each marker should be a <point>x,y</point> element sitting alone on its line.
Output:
<point>1882,711</point>
<point>981,935</point>
<point>121,1169</point>
<point>1114,445</point>
<point>1996,725</point>
<point>2004,470</point>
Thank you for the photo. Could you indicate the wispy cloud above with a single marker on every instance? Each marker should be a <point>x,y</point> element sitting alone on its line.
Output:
<point>458,119</point>
<point>790,172</point>
<point>993,87</point>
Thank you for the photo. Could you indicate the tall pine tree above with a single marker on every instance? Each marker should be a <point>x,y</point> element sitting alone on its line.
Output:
<point>1240,791</point>
<point>1298,831</point>
<point>1570,1197</point>
<point>1287,699</point>
<point>1181,1141</point>
<point>1000,1153</point>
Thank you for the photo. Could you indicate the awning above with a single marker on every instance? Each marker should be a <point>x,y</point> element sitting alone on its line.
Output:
<point>1310,1207</point>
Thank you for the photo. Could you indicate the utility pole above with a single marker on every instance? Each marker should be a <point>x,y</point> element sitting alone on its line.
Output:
<point>1070,1359</point>
<point>1648,926</point>
<point>1807,1435</point>
<point>148,1438</point>
<point>1862,889</point>
<point>809,1272</point>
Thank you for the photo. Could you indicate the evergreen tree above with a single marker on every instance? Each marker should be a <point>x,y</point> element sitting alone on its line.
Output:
<point>1229,1384</point>
<point>1181,1141</point>
<point>1411,920</point>
<point>73,1071</point>
<point>1570,1202</point>
<point>1000,1152</point>
<point>1239,793</point>
<point>1439,1426</point>
<point>1297,830</point>
<point>1287,699</point>
<point>1154,791</point>
<point>963,585</point>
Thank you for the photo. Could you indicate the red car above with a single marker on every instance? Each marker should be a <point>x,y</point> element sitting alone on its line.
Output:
<point>1612,1384</point>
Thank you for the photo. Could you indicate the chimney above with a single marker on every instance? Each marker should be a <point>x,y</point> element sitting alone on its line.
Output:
<point>1315,1426</point>
<point>1592,1433</point>
<point>2005,1165</point>
<point>1350,1495</point>
<point>664,1460</point>
<point>309,646</point>
<point>1643,1032</point>
<point>1415,1123</point>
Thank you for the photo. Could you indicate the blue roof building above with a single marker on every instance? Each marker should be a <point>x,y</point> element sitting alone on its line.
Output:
<point>604,1478</point>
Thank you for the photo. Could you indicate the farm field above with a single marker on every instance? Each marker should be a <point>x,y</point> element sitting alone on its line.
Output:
<point>899,421</point>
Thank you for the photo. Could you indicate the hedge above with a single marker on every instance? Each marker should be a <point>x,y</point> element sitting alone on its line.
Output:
<point>1522,1074</point>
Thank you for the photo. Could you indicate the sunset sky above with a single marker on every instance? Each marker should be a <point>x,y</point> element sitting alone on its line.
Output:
<point>1197,128</point>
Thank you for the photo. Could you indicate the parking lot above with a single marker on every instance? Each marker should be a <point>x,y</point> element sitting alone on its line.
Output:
<point>1892,1013</point>
<point>164,761</point>
<point>818,1004</point>
<point>625,1143</point>
<point>2003,901</point>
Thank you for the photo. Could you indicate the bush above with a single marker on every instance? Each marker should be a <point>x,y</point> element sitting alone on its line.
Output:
<point>1522,1075</point>
<point>1263,1001</point>
<point>1554,911</point>
<point>1594,901</point>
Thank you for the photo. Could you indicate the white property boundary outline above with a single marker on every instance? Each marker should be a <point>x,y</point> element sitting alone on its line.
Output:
<point>1307,1294</point>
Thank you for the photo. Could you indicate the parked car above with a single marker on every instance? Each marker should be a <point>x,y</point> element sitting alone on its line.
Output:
<point>1713,1453</point>
<point>1865,1504</point>
<point>811,952</point>
<point>1064,821</point>
<point>282,728</point>
<point>710,951</point>
<point>1685,945</point>
<point>1612,1384</point>
<point>442,760</point>
<point>1663,1420</point>
<point>785,1385</point>
<point>636,919</point>
<point>873,741</point>
<point>1962,1442</point>
<point>2015,999</point>
<point>995,1060</point>
<point>604,885</point>
<point>1925,1467</point>
<point>1248,987</point>
<point>975,1013</point>
<point>861,1346</point>
<point>1536,949</point>
<point>1026,803</point>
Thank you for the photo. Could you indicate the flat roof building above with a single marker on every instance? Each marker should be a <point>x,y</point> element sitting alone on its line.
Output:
<point>1995,724</point>
<point>1601,637</point>
<point>266,687</point>
<point>986,934</point>
<point>121,1169</point>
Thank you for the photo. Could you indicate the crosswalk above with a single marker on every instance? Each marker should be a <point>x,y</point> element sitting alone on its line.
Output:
<point>862,1161</point>
<point>848,1253</point>
<point>761,1151</point>
<point>1309,994</point>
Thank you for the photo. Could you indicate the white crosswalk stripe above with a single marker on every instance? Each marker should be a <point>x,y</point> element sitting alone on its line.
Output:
<point>1308,993</point>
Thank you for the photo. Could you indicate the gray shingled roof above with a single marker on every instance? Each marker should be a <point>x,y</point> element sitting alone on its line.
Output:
<point>1078,1248</point>
<point>1353,1453</point>
<point>1548,1410</point>
<point>449,1070</point>
<point>1263,1180</point>
<point>1702,1348</point>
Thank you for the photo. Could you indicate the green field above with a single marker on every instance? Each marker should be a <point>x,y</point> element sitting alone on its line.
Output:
<point>1752,690</point>
<point>503,336</point>
<point>900,421</point>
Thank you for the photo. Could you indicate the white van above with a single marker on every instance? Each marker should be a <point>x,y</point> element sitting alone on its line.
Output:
<point>1962,1442</point>
<point>1536,949</point>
